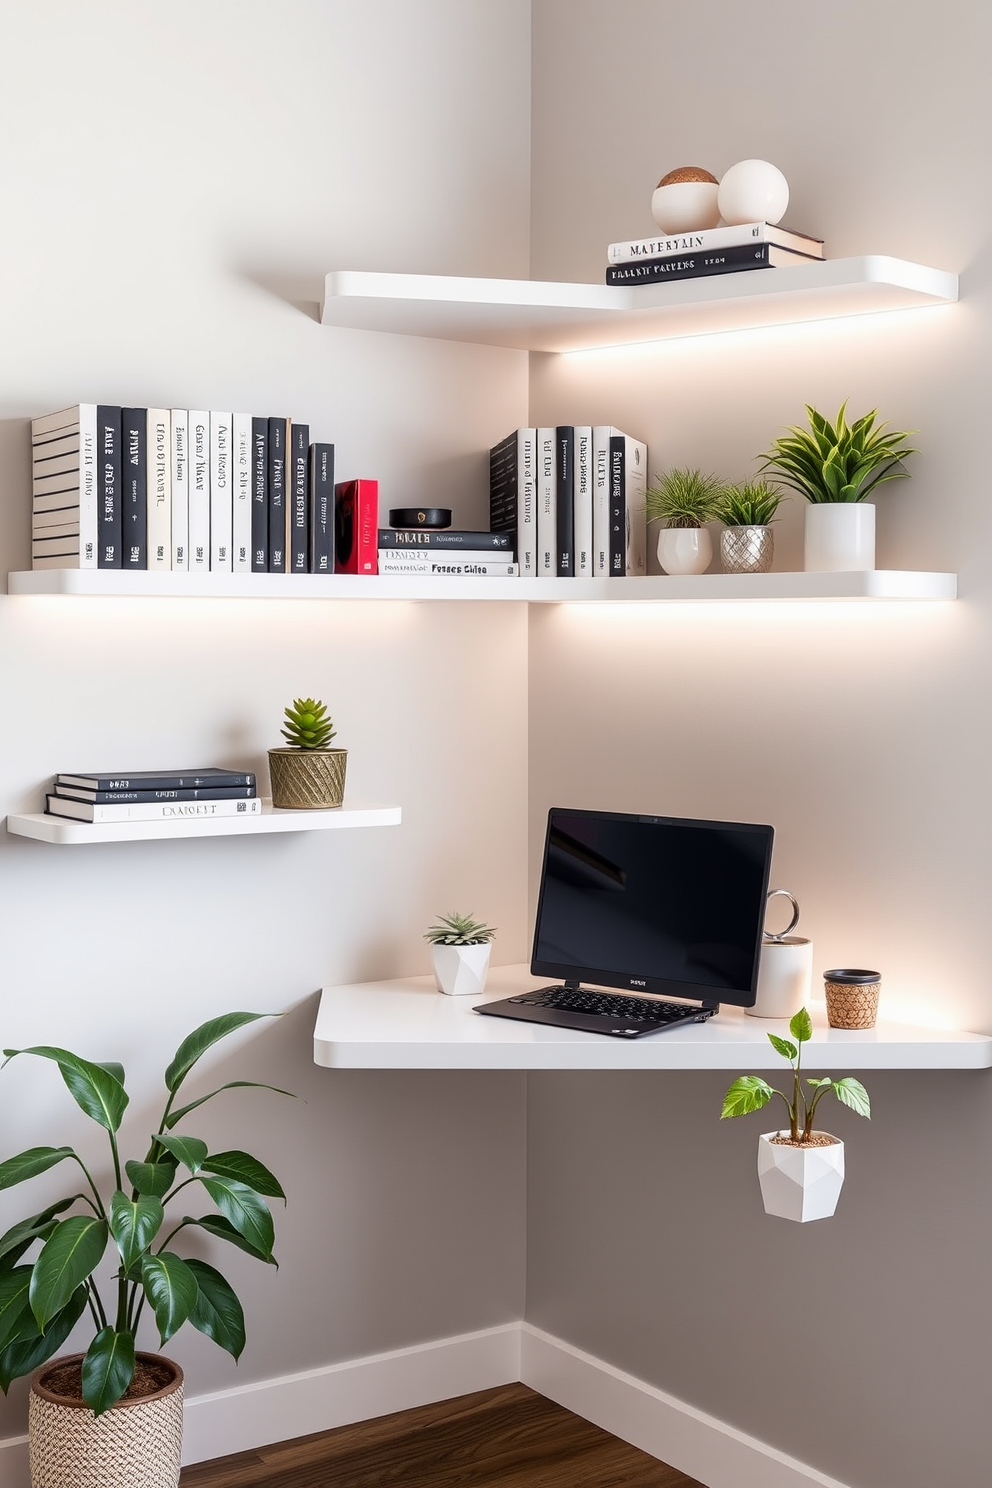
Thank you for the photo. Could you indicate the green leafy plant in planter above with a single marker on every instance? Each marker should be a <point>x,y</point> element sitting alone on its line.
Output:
<point>42,1300</point>
<point>306,773</point>
<point>833,462</point>
<point>460,949</point>
<point>751,1093</point>
<point>747,509</point>
<point>307,725</point>
<point>459,929</point>
<point>684,500</point>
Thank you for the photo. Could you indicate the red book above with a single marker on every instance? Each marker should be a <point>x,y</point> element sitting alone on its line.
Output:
<point>356,527</point>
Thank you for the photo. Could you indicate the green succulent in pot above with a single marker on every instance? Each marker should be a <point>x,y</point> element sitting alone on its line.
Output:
<point>307,773</point>
<point>838,462</point>
<point>459,929</point>
<point>747,504</point>
<point>307,725</point>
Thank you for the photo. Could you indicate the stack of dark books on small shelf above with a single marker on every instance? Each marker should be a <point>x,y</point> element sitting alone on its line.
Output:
<point>154,795</point>
<point>717,250</point>
<point>447,553</point>
<point>571,497</point>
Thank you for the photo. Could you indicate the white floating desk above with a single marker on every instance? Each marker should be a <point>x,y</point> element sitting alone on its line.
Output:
<point>406,1024</point>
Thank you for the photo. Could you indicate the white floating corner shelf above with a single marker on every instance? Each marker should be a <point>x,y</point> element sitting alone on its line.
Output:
<point>65,832</point>
<point>875,584</point>
<point>539,315</point>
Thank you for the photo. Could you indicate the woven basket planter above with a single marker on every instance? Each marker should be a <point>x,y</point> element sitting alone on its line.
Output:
<point>135,1444</point>
<point>307,779</point>
<point>852,997</point>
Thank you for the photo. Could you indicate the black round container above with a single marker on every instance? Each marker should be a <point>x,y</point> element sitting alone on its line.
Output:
<point>851,976</point>
<point>436,518</point>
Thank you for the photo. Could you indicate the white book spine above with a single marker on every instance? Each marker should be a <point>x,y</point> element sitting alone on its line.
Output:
<point>714,237</point>
<point>180,488</point>
<point>547,511</point>
<point>582,502</point>
<point>527,502</point>
<point>199,490</point>
<point>88,501</point>
<point>392,561</point>
<point>152,810</point>
<point>241,484</point>
<point>221,494</point>
<point>159,443</point>
<point>601,500</point>
<point>635,481</point>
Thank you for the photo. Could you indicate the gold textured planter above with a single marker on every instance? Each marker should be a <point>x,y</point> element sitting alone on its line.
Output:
<point>307,779</point>
<point>135,1444</point>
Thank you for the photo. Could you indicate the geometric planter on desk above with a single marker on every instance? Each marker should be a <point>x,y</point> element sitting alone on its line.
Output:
<point>800,1183</point>
<point>460,970</point>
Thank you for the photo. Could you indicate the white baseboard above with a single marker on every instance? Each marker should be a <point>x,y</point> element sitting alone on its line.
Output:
<point>319,1399</point>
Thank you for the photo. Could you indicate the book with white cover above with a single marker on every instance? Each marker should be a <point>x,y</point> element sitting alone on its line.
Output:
<point>159,444</point>
<point>547,506</point>
<point>601,500</point>
<point>180,488</point>
<point>141,811</point>
<point>221,500</point>
<point>241,491</point>
<point>477,565</point>
<point>199,490</point>
<point>58,432</point>
<point>710,238</point>
<point>582,502</point>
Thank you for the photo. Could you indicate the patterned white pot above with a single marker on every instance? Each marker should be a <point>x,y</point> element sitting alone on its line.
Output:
<point>801,1183</point>
<point>685,550</point>
<point>460,970</point>
<point>839,537</point>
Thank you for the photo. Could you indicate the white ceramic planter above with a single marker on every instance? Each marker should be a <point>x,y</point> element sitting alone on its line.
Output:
<point>785,977</point>
<point>460,971</point>
<point>685,550</point>
<point>800,1183</point>
<point>839,537</point>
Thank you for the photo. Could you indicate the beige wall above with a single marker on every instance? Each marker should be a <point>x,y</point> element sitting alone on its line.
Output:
<point>860,1345</point>
<point>172,176</point>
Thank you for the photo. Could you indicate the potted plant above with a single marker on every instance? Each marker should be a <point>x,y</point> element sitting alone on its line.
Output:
<point>836,466</point>
<point>747,542</point>
<point>460,948</point>
<point>305,774</point>
<point>801,1171</point>
<point>113,1415</point>
<point>685,501</point>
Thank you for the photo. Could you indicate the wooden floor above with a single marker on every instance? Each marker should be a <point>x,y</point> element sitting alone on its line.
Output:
<point>504,1438</point>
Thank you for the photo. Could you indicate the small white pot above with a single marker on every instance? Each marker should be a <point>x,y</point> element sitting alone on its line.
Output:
<point>685,206</point>
<point>800,1183</point>
<point>785,977</point>
<point>460,970</point>
<point>839,537</point>
<point>685,550</point>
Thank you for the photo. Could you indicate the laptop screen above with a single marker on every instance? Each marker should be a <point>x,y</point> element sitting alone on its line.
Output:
<point>653,904</point>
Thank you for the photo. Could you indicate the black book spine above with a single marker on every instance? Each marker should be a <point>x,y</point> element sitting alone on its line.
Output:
<point>108,433</point>
<point>299,546</point>
<point>618,507</point>
<point>503,493</point>
<point>134,487</point>
<point>115,797</point>
<point>692,265</point>
<point>565,511</point>
<point>277,495</point>
<point>322,508</point>
<point>421,537</point>
<point>259,495</point>
<point>145,780</point>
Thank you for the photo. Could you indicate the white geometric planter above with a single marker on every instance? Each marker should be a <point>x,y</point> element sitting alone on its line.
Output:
<point>800,1183</point>
<point>685,550</point>
<point>460,970</point>
<point>839,537</point>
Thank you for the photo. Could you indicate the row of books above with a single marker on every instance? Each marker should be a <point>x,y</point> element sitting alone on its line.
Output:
<point>717,250</point>
<point>154,795</point>
<point>572,497</point>
<point>189,489</point>
<point>447,553</point>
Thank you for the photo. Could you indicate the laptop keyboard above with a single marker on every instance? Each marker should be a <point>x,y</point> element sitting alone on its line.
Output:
<point>609,1004</point>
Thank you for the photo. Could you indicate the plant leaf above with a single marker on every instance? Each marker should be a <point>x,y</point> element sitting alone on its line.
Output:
<point>24,1356</point>
<point>783,1047</point>
<point>216,1224</point>
<point>825,1081</point>
<point>70,1254</point>
<point>851,1092</point>
<point>112,1068</point>
<point>30,1163</point>
<point>153,1179</point>
<point>134,1223</point>
<point>17,1239</point>
<point>247,1170</point>
<point>14,1302</point>
<point>248,1213</point>
<point>748,1093</point>
<point>96,1092</point>
<point>190,1151</point>
<point>201,1039</point>
<point>176,1116</point>
<point>217,1311</point>
<point>801,1026</point>
<point>108,1369</point>
<point>170,1287</point>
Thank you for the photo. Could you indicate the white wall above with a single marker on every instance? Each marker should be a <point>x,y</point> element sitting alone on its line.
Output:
<point>172,178</point>
<point>858,1346</point>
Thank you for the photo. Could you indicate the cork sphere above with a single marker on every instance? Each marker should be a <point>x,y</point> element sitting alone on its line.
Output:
<point>685,200</point>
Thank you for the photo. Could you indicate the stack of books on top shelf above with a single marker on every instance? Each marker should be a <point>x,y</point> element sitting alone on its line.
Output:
<point>188,490</point>
<point>572,499</point>
<point>717,250</point>
<point>447,553</point>
<point>154,795</point>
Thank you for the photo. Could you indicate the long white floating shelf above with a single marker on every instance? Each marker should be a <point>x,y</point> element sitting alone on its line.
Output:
<point>407,1024</point>
<point>539,315</point>
<point>876,584</point>
<point>63,832</point>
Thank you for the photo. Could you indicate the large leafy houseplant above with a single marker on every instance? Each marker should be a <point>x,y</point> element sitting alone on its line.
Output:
<point>42,1300</point>
<point>834,462</point>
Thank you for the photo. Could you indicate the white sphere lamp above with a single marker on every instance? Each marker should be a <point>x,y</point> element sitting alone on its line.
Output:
<point>685,200</point>
<point>752,191</point>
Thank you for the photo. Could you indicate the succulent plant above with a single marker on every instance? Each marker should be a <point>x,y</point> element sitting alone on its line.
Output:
<point>458,929</point>
<point>308,726</point>
<point>682,498</point>
<point>748,504</point>
<point>836,461</point>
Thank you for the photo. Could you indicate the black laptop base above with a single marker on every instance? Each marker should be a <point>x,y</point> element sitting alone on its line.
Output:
<point>613,1013</point>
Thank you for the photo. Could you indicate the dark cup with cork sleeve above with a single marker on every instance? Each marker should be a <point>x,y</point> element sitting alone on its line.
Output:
<point>852,996</point>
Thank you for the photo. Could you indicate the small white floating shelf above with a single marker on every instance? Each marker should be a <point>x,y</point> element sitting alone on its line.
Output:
<point>538,315</point>
<point>62,831</point>
<point>876,584</point>
<point>407,1024</point>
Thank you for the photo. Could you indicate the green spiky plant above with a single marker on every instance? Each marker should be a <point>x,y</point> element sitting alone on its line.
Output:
<point>832,462</point>
<point>682,498</point>
<point>458,929</point>
<point>42,1300</point>
<point>750,1092</point>
<point>307,725</point>
<point>747,504</point>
